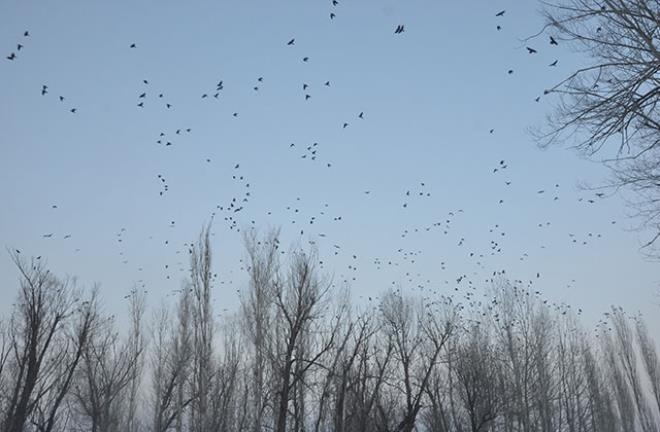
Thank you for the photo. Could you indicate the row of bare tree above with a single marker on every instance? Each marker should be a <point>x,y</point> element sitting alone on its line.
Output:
<point>298,356</point>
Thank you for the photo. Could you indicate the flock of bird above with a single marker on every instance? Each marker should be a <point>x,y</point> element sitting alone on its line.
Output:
<point>306,219</point>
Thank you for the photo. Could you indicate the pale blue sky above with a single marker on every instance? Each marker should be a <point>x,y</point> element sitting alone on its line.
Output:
<point>430,97</point>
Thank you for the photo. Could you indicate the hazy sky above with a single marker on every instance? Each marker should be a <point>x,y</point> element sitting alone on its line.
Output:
<point>430,97</point>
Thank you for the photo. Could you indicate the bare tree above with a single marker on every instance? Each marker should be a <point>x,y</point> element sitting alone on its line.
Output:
<point>203,327</point>
<point>477,378</point>
<point>419,337</point>
<point>170,356</point>
<point>103,392</point>
<point>299,300</point>
<point>257,311</point>
<point>614,98</point>
<point>47,334</point>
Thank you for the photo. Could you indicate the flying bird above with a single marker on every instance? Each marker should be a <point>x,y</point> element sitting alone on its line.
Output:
<point>531,50</point>
<point>19,47</point>
<point>500,13</point>
<point>11,56</point>
<point>399,29</point>
<point>291,42</point>
<point>26,34</point>
<point>553,41</point>
<point>554,63</point>
<point>133,45</point>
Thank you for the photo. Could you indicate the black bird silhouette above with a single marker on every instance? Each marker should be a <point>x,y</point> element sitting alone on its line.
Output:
<point>291,42</point>
<point>327,83</point>
<point>399,29</point>
<point>531,50</point>
<point>11,56</point>
<point>553,41</point>
<point>141,104</point>
<point>361,115</point>
<point>26,34</point>
<point>335,2</point>
<point>332,16</point>
<point>44,89</point>
<point>133,45</point>
<point>143,95</point>
<point>500,13</point>
<point>499,27</point>
<point>510,71</point>
<point>305,59</point>
<point>345,125</point>
<point>145,81</point>
<point>554,63</point>
<point>61,98</point>
<point>73,110</point>
<point>19,47</point>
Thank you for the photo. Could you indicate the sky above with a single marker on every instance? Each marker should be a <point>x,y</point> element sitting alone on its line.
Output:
<point>441,117</point>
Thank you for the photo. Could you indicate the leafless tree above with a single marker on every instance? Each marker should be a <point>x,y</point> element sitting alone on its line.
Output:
<point>203,330</point>
<point>257,312</point>
<point>610,105</point>
<point>42,348</point>
<point>104,389</point>
<point>170,356</point>
<point>299,302</point>
<point>477,376</point>
<point>298,358</point>
<point>419,337</point>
